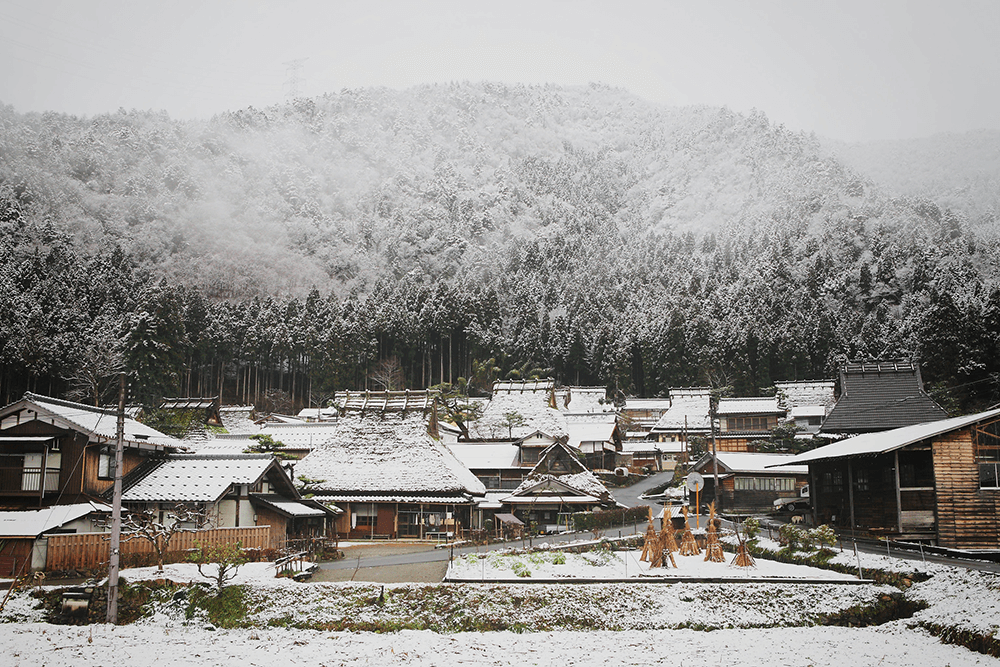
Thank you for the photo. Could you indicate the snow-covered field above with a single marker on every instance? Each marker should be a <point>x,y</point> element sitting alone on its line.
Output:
<point>514,567</point>
<point>647,615</point>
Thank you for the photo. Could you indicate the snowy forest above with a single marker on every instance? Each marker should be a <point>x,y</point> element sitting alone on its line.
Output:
<point>274,256</point>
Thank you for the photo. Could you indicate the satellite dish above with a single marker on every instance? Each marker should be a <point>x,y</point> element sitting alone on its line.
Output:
<point>695,482</point>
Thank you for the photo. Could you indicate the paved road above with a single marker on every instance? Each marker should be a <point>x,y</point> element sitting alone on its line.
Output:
<point>388,554</point>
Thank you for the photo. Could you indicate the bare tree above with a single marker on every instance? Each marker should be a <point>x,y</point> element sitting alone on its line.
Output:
<point>97,367</point>
<point>147,526</point>
<point>388,374</point>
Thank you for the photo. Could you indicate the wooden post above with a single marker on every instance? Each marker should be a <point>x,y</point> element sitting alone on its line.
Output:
<point>899,505</point>
<point>850,491</point>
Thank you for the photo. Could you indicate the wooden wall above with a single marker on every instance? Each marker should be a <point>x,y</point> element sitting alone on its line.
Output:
<point>967,515</point>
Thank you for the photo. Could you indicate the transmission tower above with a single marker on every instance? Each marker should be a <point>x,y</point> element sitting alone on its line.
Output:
<point>294,78</point>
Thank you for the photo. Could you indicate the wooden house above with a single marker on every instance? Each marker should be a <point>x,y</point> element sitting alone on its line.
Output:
<point>747,483</point>
<point>640,415</point>
<point>234,490</point>
<point>383,466</point>
<point>598,439</point>
<point>745,421</point>
<point>517,409</point>
<point>878,396</point>
<point>688,416</point>
<point>557,486</point>
<point>935,482</point>
<point>56,451</point>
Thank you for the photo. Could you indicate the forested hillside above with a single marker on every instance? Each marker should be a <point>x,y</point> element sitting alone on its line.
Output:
<point>581,231</point>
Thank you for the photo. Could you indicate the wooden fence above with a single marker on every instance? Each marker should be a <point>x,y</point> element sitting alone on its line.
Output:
<point>87,551</point>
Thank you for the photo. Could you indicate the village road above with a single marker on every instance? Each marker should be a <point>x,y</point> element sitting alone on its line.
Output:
<point>410,561</point>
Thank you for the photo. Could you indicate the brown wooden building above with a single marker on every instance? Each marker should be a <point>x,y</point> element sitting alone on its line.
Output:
<point>935,482</point>
<point>747,481</point>
<point>59,452</point>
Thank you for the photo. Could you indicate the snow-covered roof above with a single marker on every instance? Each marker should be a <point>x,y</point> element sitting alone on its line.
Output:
<point>887,441</point>
<point>187,403</point>
<point>590,432</point>
<point>533,406</point>
<point>806,392</point>
<point>647,403</point>
<point>757,405</point>
<point>386,453</point>
<point>634,446</point>
<point>98,424</point>
<point>803,411</point>
<point>32,523</point>
<point>198,477</point>
<point>582,480</point>
<point>582,484</point>
<point>318,413</point>
<point>523,386</point>
<point>386,401</point>
<point>583,399</point>
<point>746,462</point>
<point>291,507</point>
<point>236,419</point>
<point>687,410</point>
<point>485,455</point>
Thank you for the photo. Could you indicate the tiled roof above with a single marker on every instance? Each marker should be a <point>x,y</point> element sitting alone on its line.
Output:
<point>746,462</point>
<point>197,477</point>
<point>887,441</point>
<point>880,396</point>
<point>98,423</point>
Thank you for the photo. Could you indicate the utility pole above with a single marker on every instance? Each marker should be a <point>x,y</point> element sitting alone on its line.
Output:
<point>116,508</point>
<point>715,458</point>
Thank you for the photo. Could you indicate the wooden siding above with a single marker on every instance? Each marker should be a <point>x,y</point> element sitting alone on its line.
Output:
<point>967,515</point>
<point>91,550</point>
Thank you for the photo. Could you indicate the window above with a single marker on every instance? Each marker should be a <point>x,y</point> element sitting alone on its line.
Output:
<point>106,465</point>
<point>861,482</point>
<point>748,424</point>
<point>988,459</point>
<point>764,483</point>
<point>364,516</point>
<point>986,440</point>
<point>833,482</point>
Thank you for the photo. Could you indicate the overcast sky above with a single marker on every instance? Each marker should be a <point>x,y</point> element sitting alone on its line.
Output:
<point>850,70</point>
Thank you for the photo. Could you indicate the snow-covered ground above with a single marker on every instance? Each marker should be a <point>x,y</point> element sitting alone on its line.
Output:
<point>957,597</point>
<point>622,565</point>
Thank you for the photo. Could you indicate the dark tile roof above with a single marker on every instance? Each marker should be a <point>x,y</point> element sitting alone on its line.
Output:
<point>878,396</point>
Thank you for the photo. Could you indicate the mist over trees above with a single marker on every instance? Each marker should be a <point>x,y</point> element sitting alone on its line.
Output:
<point>285,253</point>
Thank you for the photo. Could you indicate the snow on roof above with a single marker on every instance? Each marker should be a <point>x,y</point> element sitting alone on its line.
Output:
<point>686,411</point>
<point>386,401</point>
<point>290,507</point>
<point>887,441</point>
<point>532,406</point>
<point>746,462</point>
<point>485,455</point>
<point>803,411</point>
<point>583,399</point>
<point>584,483</point>
<point>187,403</point>
<point>523,386</point>
<point>634,446</point>
<point>749,405</point>
<point>197,477</point>
<point>386,453</point>
<point>806,392</point>
<point>647,403</point>
<point>590,432</point>
<point>236,419</point>
<point>97,423</point>
<point>32,523</point>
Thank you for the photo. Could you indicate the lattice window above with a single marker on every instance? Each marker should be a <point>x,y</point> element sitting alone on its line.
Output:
<point>986,438</point>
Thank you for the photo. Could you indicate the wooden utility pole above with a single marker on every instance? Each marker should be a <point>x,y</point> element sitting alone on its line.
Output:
<point>116,508</point>
<point>715,458</point>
